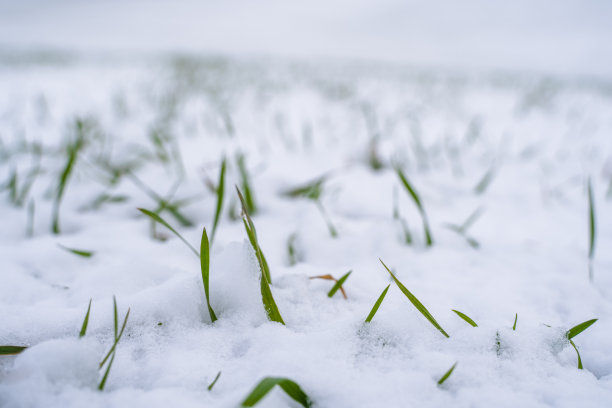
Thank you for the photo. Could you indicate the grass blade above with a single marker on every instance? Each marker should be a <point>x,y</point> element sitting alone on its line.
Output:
<point>160,220</point>
<point>338,284</point>
<point>79,252</point>
<point>11,350</point>
<point>212,384</point>
<point>220,194</point>
<point>447,374</point>
<point>205,266</point>
<point>105,377</point>
<point>246,186</point>
<point>466,318</point>
<point>85,321</point>
<point>117,338</point>
<point>330,226</point>
<point>576,330</point>
<point>484,183</point>
<point>264,386</point>
<point>415,302</point>
<point>63,181</point>
<point>266,293</point>
<point>515,319</point>
<point>591,221</point>
<point>578,354</point>
<point>377,304</point>
<point>417,200</point>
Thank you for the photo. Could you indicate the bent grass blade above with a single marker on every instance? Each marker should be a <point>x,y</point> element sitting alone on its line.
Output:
<point>447,374</point>
<point>265,386</point>
<point>466,318</point>
<point>338,285</point>
<point>417,201</point>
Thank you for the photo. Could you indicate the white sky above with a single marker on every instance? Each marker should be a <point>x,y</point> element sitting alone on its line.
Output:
<point>559,37</point>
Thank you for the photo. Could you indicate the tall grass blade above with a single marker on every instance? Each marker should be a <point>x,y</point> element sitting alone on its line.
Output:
<point>11,350</point>
<point>338,284</point>
<point>417,200</point>
<point>377,304</point>
<point>466,318</point>
<point>205,266</point>
<point>264,386</point>
<point>212,384</point>
<point>266,293</point>
<point>578,354</point>
<point>105,377</point>
<point>85,321</point>
<point>447,374</point>
<point>220,194</point>
<point>246,185</point>
<point>415,302</point>
<point>61,187</point>
<point>579,328</point>
<point>160,220</point>
<point>79,252</point>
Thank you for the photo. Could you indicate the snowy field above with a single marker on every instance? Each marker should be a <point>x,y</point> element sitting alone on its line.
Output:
<point>86,142</point>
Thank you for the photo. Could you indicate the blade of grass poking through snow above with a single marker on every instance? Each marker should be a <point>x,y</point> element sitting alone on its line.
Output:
<point>246,186</point>
<point>79,252</point>
<point>415,302</point>
<point>447,374</point>
<point>205,265</point>
<point>11,350</point>
<point>330,226</point>
<point>329,277</point>
<point>484,183</point>
<point>377,304</point>
<point>220,194</point>
<point>591,228</point>
<point>264,281</point>
<point>63,181</point>
<point>338,284</point>
<point>417,200</point>
<point>117,338</point>
<point>466,318</point>
<point>264,386</point>
<point>105,377</point>
<point>212,384</point>
<point>515,320</point>
<point>578,354</point>
<point>160,220</point>
<point>576,330</point>
<point>85,321</point>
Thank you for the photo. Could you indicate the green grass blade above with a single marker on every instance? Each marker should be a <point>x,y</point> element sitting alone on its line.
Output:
<point>576,330</point>
<point>10,350</point>
<point>377,305</point>
<point>220,194</point>
<point>63,181</point>
<point>266,293</point>
<point>417,200</point>
<point>264,386</point>
<point>212,384</point>
<point>105,377</point>
<point>415,302</point>
<point>115,318</point>
<point>447,374</point>
<point>85,321</point>
<point>484,183</point>
<point>311,190</point>
<point>330,226</point>
<point>79,252</point>
<point>591,221</point>
<point>117,338</point>
<point>578,354</point>
<point>338,284</point>
<point>205,266</point>
<point>160,220</point>
<point>466,318</point>
<point>246,185</point>
<point>515,320</point>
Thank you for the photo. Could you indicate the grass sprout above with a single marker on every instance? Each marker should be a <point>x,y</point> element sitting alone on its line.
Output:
<point>485,181</point>
<point>85,321</point>
<point>579,328</point>
<point>73,151</point>
<point>417,201</point>
<point>339,284</point>
<point>249,199</point>
<point>220,190</point>
<point>212,384</point>
<point>463,228</point>
<point>265,279</point>
<point>592,228</point>
<point>79,252</point>
<point>447,374</point>
<point>515,320</point>
<point>11,350</point>
<point>290,387</point>
<point>113,350</point>
<point>205,266</point>
<point>466,318</point>
<point>415,302</point>
<point>330,277</point>
<point>155,217</point>
<point>377,304</point>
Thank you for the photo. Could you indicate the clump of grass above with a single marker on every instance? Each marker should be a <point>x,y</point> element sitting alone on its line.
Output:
<point>11,350</point>
<point>377,305</point>
<point>339,284</point>
<point>573,332</point>
<point>79,252</point>
<point>203,255</point>
<point>419,306</point>
<point>245,184</point>
<point>463,228</point>
<point>85,321</point>
<point>113,350</point>
<point>466,318</point>
<point>447,374</point>
<point>220,190</point>
<point>592,230</point>
<point>265,278</point>
<point>212,384</point>
<point>291,388</point>
<point>417,201</point>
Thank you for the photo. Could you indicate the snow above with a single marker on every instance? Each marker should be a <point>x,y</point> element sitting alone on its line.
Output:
<point>296,121</point>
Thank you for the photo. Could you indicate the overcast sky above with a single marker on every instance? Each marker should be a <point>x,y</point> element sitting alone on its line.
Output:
<point>562,37</point>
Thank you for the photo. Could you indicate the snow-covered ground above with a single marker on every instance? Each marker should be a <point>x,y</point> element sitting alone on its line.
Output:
<point>536,140</point>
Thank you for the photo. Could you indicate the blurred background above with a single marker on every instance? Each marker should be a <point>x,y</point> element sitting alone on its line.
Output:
<point>549,36</point>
